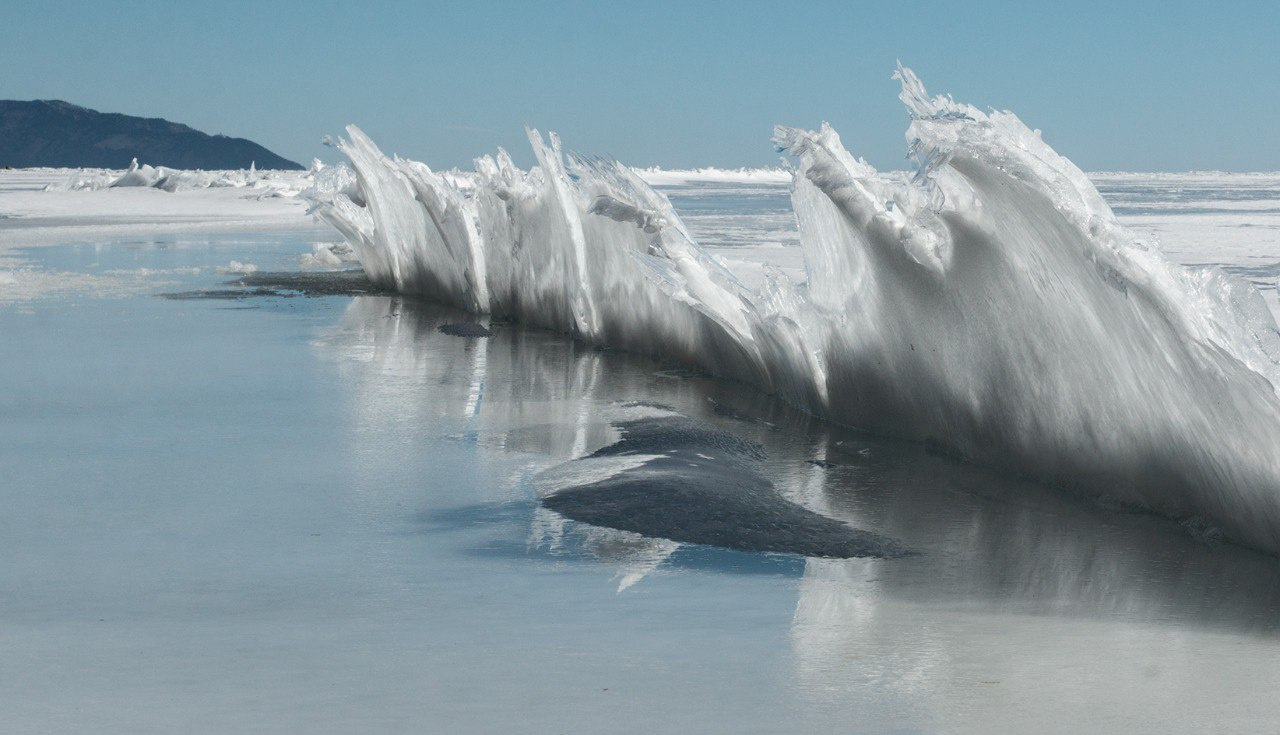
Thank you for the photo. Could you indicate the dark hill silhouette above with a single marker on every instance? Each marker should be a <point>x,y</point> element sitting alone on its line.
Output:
<point>57,133</point>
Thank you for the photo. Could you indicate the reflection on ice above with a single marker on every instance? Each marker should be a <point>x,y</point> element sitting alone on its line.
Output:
<point>1009,545</point>
<point>1024,604</point>
<point>958,664</point>
<point>1019,601</point>
<point>983,539</point>
<point>634,555</point>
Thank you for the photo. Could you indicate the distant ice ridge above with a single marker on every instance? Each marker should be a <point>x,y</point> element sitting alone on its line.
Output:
<point>666,176</point>
<point>990,304</point>
<point>271,183</point>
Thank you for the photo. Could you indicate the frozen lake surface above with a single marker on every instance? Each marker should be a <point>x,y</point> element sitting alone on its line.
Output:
<point>277,505</point>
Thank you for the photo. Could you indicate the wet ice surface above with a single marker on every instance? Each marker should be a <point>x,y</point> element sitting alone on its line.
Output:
<point>307,508</point>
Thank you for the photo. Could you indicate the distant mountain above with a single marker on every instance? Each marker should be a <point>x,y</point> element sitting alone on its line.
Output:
<point>57,133</point>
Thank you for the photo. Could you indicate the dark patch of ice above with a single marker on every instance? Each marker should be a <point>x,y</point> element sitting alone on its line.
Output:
<point>704,488</point>
<point>470,330</point>
<point>227,294</point>
<point>350,282</point>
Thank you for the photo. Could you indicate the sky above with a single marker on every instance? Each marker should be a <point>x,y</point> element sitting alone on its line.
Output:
<point>1141,86</point>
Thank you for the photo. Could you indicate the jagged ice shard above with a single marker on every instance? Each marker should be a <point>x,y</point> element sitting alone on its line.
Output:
<point>991,304</point>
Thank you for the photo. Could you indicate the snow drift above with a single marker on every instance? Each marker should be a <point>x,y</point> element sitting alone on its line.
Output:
<point>990,304</point>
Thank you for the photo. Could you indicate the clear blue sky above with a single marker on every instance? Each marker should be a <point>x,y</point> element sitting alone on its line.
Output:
<point>1139,86</point>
